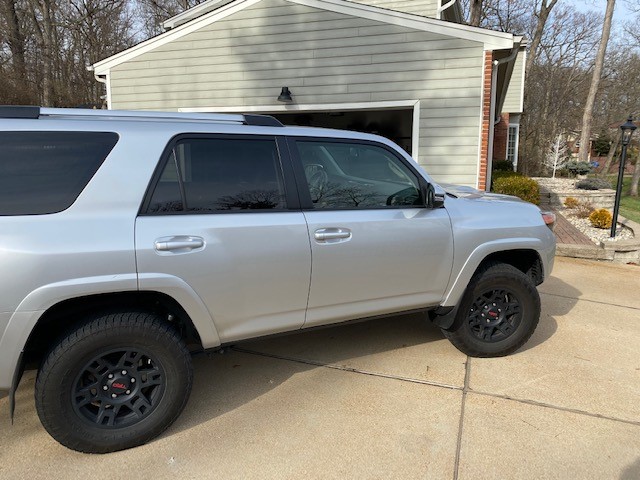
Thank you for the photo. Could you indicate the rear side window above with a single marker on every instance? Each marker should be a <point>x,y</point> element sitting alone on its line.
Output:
<point>44,172</point>
<point>209,175</point>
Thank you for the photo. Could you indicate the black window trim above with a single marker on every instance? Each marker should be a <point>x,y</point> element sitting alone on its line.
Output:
<point>285,171</point>
<point>306,202</point>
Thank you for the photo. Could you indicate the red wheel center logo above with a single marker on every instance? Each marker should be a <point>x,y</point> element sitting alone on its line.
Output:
<point>120,386</point>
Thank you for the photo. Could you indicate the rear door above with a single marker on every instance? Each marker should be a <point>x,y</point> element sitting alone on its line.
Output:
<point>376,248</point>
<point>221,215</point>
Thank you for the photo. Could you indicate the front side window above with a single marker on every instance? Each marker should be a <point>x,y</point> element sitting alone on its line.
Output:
<point>208,175</point>
<point>44,172</point>
<point>343,175</point>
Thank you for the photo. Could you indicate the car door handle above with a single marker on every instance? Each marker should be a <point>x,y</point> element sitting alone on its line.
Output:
<point>184,243</point>
<point>332,234</point>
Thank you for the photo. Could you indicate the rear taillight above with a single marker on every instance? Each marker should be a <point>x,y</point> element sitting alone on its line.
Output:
<point>549,219</point>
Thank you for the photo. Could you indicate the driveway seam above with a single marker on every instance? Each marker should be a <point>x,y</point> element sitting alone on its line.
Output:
<point>591,301</point>
<point>555,407</point>
<point>348,369</point>
<point>465,389</point>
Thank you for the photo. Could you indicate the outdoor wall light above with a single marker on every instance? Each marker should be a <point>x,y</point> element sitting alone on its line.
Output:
<point>627,131</point>
<point>285,95</point>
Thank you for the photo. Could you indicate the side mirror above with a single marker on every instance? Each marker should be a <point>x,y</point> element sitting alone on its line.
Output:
<point>431,198</point>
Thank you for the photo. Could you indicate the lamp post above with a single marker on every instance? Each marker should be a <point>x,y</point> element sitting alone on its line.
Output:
<point>627,130</point>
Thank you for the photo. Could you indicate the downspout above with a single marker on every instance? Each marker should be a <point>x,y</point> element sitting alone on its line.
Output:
<point>492,110</point>
<point>102,79</point>
<point>442,8</point>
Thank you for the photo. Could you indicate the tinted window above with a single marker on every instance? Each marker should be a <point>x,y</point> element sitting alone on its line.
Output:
<point>44,172</point>
<point>220,174</point>
<point>352,175</point>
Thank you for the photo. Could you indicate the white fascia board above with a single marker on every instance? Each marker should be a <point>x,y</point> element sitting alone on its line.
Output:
<point>190,14</point>
<point>492,40</point>
<point>103,66</point>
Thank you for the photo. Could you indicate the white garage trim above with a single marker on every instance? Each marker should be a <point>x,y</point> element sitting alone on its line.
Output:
<point>322,107</point>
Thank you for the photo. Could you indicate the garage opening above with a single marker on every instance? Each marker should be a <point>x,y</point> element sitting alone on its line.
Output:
<point>396,125</point>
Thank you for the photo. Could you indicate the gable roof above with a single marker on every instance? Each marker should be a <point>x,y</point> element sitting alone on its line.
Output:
<point>451,9</point>
<point>491,40</point>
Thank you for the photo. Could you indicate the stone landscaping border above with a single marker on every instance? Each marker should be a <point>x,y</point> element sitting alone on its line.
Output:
<point>604,198</point>
<point>622,251</point>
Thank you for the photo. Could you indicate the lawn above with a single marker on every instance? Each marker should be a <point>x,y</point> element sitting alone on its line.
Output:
<point>629,206</point>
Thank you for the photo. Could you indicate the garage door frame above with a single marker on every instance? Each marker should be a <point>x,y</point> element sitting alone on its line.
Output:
<point>327,107</point>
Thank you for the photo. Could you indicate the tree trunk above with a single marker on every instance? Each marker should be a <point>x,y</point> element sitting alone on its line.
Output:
<point>15,38</point>
<point>543,15</point>
<point>587,118</point>
<point>475,17</point>
<point>635,179</point>
<point>612,153</point>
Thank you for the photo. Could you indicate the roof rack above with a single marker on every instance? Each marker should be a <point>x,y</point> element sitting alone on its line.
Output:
<point>31,112</point>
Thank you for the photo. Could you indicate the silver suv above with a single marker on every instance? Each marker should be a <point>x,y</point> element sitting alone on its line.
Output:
<point>130,240</point>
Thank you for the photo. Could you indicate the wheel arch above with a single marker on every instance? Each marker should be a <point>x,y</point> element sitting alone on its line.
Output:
<point>69,313</point>
<point>523,254</point>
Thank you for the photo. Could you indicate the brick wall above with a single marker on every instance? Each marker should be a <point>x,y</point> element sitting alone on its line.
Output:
<point>486,121</point>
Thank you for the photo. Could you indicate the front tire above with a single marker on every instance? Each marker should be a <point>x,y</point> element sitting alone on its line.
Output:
<point>114,383</point>
<point>498,313</point>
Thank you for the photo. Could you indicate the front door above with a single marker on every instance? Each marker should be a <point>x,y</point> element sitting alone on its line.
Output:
<point>218,218</point>
<point>375,247</point>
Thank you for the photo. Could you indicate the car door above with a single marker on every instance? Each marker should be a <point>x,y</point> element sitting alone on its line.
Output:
<point>222,215</point>
<point>375,247</point>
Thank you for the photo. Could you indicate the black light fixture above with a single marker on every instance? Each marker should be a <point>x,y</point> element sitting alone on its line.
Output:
<point>285,95</point>
<point>627,130</point>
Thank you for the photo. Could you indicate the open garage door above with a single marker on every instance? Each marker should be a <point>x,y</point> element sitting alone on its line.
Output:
<point>396,125</point>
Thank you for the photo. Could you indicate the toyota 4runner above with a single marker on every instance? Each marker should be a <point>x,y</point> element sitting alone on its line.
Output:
<point>130,240</point>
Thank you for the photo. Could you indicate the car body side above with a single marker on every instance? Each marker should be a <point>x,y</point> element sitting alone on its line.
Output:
<point>90,248</point>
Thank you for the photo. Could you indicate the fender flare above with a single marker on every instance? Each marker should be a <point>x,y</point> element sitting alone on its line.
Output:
<point>459,285</point>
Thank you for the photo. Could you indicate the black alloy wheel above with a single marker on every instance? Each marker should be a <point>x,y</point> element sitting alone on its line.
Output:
<point>119,388</point>
<point>115,382</point>
<point>495,315</point>
<point>498,313</point>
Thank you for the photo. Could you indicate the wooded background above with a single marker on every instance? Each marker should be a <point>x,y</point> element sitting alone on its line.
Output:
<point>45,46</point>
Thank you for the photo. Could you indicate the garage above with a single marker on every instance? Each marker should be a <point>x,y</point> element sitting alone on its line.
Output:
<point>396,125</point>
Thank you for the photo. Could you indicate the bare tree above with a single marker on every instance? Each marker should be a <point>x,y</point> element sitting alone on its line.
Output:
<point>542,15</point>
<point>558,154</point>
<point>587,119</point>
<point>476,13</point>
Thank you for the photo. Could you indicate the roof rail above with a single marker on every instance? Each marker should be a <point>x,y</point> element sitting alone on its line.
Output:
<point>37,112</point>
<point>20,111</point>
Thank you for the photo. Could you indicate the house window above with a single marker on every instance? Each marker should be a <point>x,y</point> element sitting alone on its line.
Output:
<point>512,144</point>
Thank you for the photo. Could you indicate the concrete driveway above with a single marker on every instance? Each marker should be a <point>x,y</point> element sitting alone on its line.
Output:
<point>393,399</point>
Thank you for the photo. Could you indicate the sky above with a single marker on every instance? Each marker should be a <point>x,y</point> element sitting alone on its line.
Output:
<point>621,13</point>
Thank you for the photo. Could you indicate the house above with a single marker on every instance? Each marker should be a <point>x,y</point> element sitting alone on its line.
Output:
<point>409,70</point>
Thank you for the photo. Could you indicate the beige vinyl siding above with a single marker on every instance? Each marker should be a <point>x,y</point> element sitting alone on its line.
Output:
<point>514,97</point>
<point>426,8</point>
<point>323,57</point>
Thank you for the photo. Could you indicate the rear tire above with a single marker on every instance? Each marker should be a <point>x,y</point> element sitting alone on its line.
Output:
<point>498,313</point>
<point>114,383</point>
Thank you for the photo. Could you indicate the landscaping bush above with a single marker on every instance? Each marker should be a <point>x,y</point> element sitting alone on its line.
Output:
<point>503,166</point>
<point>601,218</point>
<point>571,202</point>
<point>578,168</point>
<point>496,174</point>
<point>593,184</point>
<point>583,210</point>
<point>523,187</point>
